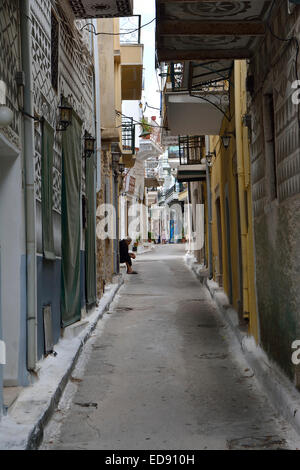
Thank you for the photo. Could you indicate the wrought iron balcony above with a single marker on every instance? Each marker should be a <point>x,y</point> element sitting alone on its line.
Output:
<point>200,76</point>
<point>191,150</point>
<point>128,135</point>
<point>197,96</point>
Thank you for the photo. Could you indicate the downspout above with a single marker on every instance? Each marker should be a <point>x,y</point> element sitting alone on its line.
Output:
<point>209,210</point>
<point>241,181</point>
<point>30,210</point>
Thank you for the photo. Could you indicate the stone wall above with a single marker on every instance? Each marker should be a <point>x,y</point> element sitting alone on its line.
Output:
<point>277,215</point>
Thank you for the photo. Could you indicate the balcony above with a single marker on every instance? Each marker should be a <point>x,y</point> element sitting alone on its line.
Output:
<point>191,154</point>
<point>99,9</point>
<point>128,135</point>
<point>148,149</point>
<point>204,30</point>
<point>132,52</point>
<point>197,96</point>
<point>128,142</point>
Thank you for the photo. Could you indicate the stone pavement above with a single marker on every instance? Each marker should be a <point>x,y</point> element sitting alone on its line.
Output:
<point>163,371</point>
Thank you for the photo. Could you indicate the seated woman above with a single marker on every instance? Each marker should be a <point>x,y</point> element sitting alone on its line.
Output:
<point>125,256</point>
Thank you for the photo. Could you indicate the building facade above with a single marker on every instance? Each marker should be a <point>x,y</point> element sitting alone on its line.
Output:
<point>252,201</point>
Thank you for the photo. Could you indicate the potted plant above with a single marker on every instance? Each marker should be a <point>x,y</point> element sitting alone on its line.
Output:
<point>146,129</point>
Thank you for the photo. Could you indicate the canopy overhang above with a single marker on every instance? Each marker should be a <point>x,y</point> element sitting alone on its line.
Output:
<point>101,9</point>
<point>202,29</point>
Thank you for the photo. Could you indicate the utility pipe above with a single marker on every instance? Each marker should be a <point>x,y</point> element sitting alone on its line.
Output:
<point>30,209</point>
<point>241,182</point>
<point>209,210</point>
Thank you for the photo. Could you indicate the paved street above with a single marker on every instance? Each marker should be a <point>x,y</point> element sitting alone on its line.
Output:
<point>163,372</point>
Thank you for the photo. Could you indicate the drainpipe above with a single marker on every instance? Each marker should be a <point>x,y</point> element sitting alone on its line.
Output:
<point>241,182</point>
<point>209,209</point>
<point>29,151</point>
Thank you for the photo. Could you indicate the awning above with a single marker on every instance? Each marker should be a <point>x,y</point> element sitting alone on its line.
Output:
<point>204,30</point>
<point>100,9</point>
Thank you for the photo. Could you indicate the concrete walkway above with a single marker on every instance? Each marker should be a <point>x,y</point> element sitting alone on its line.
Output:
<point>164,372</point>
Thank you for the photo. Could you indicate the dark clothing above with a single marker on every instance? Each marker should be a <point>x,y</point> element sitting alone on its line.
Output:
<point>124,255</point>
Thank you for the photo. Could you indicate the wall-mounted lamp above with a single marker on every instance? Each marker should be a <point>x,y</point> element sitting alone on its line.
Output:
<point>65,116</point>
<point>89,145</point>
<point>116,157</point>
<point>6,116</point>
<point>209,158</point>
<point>226,139</point>
<point>121,168</point>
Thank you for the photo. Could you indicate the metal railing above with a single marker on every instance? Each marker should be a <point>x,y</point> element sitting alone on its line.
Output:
<point>130,30</point>
<point>188,77</point>
<point>191,150</point>
<point>128,135</point>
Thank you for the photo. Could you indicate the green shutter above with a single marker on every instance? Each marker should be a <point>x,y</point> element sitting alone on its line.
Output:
<point>71,226</point>
<point>47,191</point>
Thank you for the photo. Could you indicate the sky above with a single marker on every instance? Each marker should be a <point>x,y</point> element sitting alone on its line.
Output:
<point>146,8</point>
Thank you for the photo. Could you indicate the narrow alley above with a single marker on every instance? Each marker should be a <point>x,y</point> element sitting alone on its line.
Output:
<point>163,371</point>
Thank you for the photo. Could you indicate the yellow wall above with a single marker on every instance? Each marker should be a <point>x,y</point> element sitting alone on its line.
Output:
<point>230,177</point>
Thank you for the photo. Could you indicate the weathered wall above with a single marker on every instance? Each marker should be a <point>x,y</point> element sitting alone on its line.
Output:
<point>233,247</point>
<point>74,82</point>
<point>104,247</point>
<point>277,219</point>
<point>12,224</point>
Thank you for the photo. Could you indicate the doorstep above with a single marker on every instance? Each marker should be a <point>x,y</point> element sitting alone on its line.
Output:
<point>76,329</point>
<point>10,394</point>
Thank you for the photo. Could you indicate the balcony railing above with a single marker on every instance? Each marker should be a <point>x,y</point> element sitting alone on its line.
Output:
<point>128,135</point>
<point>191,150</point>
<point>130,30</point>
<point>199,77</point>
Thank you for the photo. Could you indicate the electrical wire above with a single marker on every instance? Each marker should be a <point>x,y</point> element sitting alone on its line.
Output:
<point>116,34</point>
<point>151,107</point>
<point>138,122</point>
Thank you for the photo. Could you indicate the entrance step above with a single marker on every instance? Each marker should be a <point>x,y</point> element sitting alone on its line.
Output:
<point>10,394</point>
<point>74,330</point>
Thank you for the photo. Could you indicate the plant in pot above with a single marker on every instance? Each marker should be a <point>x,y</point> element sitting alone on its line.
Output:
<point>146,129</point>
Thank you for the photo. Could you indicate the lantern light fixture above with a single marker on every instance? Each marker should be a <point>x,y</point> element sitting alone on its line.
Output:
<point>89,145</point>
<point>209,158</point>
<point>121,168</point>
<point>226,139</point>
<point>65,116</point>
